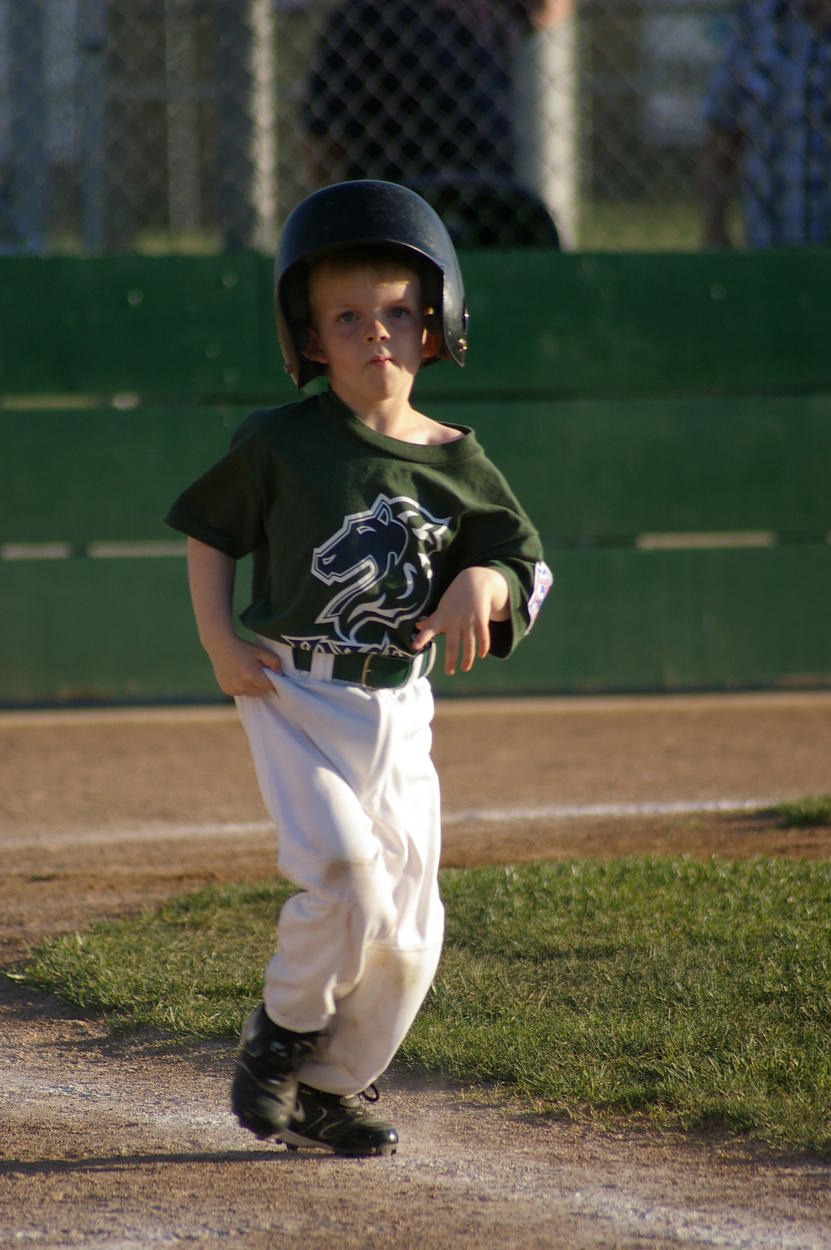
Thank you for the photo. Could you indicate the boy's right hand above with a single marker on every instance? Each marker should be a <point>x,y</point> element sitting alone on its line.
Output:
<point>239,667</point>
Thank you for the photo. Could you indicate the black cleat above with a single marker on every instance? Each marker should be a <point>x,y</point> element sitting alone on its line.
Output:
<point>340,1123</point>
<point>264,1090</point>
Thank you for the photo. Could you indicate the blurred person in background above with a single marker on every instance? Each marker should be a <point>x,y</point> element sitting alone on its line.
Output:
<point>768,119</point>
<point>410,90</point>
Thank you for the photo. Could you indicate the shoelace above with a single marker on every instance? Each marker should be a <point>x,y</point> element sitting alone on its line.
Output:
<point>370,1094</point>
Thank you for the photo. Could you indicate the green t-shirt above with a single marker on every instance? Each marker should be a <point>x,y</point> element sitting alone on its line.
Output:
<point>355,536</point>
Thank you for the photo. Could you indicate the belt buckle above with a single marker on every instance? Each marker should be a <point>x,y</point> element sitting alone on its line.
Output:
<point>424,667</point>
<point>365,669</point>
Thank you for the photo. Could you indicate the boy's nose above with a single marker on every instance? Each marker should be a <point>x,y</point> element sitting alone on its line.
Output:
<point>377,330</point>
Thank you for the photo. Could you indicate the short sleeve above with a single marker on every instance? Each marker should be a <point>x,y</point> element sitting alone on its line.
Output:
<point>222,508</point>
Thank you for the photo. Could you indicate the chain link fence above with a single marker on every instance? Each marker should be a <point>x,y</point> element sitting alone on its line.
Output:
<point>197,124</point>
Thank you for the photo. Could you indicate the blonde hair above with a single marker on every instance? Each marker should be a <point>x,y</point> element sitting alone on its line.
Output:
<point>377,259</point>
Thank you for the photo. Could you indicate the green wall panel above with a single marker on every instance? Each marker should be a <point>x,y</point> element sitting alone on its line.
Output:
<point>621,395</point>
<point>102,474</point>
<point>101,630</point>
<point>668,620</point>
<point>589,469</point>
<point>133,323</point>
<point>612,468</point>
<point>706,323</point>
<point>555,323</point>
<point>615,620</point>
<point>89,630</point>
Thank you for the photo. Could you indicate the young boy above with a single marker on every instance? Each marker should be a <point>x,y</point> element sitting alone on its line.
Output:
<point>374,530</point>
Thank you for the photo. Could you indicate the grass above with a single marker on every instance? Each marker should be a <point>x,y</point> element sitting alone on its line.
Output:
<point>685,993</point>
<point>659,223</point>
<point>656,223</point>
<point>813,811</point>
<point>639,225</point>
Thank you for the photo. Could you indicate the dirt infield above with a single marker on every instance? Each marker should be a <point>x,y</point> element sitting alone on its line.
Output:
<point>111,1142</point>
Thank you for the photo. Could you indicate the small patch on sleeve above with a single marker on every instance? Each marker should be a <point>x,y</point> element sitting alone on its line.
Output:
<point>543,581</point>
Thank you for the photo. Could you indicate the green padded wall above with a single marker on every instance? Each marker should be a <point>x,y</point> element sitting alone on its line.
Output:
<point>666,420</point>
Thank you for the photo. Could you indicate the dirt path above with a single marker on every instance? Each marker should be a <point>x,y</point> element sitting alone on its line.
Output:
<point>121,1143</point>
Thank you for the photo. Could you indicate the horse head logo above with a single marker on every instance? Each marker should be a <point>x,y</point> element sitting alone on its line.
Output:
<point>380,561</point>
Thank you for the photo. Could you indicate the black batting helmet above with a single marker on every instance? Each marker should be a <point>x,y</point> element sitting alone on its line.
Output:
<point>352,214</point>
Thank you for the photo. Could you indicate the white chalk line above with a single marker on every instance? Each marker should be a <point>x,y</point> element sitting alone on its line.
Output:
<point>577,811</point>
<point>178,832</point>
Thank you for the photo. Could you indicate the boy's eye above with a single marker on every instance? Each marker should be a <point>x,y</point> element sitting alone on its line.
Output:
<point>347,316</point>
<point>400,312</point>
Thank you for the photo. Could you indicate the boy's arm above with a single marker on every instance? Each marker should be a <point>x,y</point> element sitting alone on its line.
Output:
<point>238,665</point>
<point>475,597</point>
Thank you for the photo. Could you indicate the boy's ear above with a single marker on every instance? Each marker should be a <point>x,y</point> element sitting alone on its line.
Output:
<point>314,349</point>
<point>431,338</point>
<point>430,346</point>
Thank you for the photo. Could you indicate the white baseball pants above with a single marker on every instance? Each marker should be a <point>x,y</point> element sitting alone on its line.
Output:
<point>347,778</point>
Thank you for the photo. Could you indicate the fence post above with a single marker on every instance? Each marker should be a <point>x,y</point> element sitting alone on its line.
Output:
<point>546,74</point>
<point>247,129</point>
<point>92,23</point>
<point>30,159</point>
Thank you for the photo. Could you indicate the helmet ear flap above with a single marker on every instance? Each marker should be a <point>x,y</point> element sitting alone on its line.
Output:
<point>294,321</point>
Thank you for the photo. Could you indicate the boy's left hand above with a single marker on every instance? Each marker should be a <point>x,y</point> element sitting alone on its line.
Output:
<point>477,596</point>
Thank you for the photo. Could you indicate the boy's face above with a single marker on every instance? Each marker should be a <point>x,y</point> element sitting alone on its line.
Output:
<point>369,332</point>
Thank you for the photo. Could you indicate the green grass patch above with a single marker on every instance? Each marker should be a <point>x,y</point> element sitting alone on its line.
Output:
<point>658,223</point>
<point>193,966</point>
<point>813,811</point>
<point>687,993</point>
